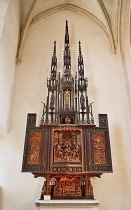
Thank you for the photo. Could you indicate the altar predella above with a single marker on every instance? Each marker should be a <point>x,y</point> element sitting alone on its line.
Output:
<point>67,149</point>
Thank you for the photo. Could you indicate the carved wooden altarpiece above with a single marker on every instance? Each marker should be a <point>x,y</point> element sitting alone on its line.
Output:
<point>67,149</point>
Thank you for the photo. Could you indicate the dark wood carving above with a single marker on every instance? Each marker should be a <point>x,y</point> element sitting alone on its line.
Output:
<point>31,120</point>
<point>103,121</point>
<point>67,149</point>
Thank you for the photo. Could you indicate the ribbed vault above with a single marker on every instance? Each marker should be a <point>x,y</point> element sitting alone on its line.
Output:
<point>38,10</point>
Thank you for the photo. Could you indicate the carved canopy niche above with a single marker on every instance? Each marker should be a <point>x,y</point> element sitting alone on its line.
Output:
<point>67,146</point>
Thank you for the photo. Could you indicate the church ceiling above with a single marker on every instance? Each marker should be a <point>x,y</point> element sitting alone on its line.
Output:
<point>105,13</point>
<point>25,6</point>
<point>93,6</point>
<point>108,5</point>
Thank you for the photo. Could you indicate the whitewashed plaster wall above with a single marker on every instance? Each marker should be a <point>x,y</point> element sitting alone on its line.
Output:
<point>20,190</point>
<point>9,30</point>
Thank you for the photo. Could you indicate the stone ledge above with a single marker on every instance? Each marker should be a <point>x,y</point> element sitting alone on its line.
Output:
<point>67,203</point>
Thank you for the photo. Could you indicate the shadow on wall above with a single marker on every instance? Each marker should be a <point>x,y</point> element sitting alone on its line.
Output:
<point>1,198</point>
<point>39,188</point>
<point>37,193</point>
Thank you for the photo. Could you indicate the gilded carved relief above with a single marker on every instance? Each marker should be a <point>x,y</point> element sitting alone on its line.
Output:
<point>67,147</point>
<point>34,148</point>
<point>66,186</point>
<point>67,99</point>
<point>99,148</point>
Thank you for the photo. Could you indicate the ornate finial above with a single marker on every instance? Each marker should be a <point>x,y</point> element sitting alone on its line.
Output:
<point>67,57</point>
<point>66,33</point>
<point>80,62</point>
<point>79,48</point>
<point>80,57</point>
<point>54,52</point>
<point>51,85</point>
<point>54,59</point>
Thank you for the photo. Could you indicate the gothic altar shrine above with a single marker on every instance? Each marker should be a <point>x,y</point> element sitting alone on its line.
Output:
<point>67,148</point>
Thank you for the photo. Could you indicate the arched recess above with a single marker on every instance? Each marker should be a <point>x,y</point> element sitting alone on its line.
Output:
<point>69,7</point>
<point>124,55</point>
<point>108,21</point>
<point>124,45</point>
<point>9,32</point>
<point>4,6</point>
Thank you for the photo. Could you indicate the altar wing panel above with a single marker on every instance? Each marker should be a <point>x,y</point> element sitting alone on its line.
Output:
<point>99,149</point>
<point>34,150</point>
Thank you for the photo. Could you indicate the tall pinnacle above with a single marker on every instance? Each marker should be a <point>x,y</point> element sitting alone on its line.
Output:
<point>80,63</point>
<point>80,56</point>
<point>54,59</point>
<point>66,33</point>
<point>54,63</point>
<point>67,57</point>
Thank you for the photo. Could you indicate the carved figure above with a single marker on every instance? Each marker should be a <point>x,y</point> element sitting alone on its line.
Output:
<point>34,155</point>
<point>67,98</point>
<point>34,148</point>
<point>67,119</point>
<point>52,101</point>
<point>68,186</point>
<point>82,101</point>
<point>81,71</point>
<point>90,188</point>
<point>53,72</point>
<point>67,151</point>
<point>99,149</point>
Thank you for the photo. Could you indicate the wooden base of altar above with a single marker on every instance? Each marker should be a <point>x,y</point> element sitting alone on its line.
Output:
<point>67,204</point>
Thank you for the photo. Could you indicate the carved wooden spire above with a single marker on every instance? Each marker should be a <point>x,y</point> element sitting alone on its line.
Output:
<point>67,57</point>
<point>67,98</point>
<point>54,63</point>
<point>82,81</point>
<point>51,82</point>
<point>80,62</point>
<point>66,33</point>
